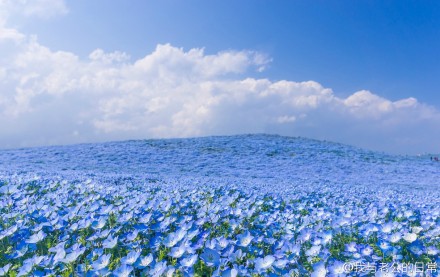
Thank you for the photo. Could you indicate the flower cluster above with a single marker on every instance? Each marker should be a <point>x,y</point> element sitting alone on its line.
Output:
<point>87,228</point>
<point>92,222</point>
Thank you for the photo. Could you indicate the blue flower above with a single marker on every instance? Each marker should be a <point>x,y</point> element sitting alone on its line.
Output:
<point>4,270</point>
<point>177,252</point>
<point>101,262</point>
<point>244,239</point>
<point>36,237</point>
<point>123,271</point>
<point>110,242</point>
<point>189,261</point>
<point>210,257</point>
<point>131,257</point>
<point>262,264</point>
<point>158,269</point>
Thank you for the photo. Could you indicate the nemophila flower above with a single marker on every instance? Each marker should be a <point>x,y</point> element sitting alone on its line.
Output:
<point>410,237</point>
<point>35,238</point>
<point>432,250</point>
<point>326,237</point>
<point>210,257</point>
<point>57,247</point>
<point>177,252</point>
<point>59,256</point>
<point>100,223</point>
<point>131,257</point>
<point>25,269</point>
<point>231,272</point>
<point>72,256</point>
<point>244,239</point>
<point>133,235</point>
<point>222,242</point>
<point>110,242</point>
<point>387,228</point>
<point>351,247</point>
<point>383,245</point>
<point>237,255</point>
<point>367,250</point>
<point>281,263</point>
<point>313,251</point>
<point>144,261</point>
<point>21,251</point>
<point>8,232</point>
<point>101,262</point>
<point>305,235</point>
<point>4,270</point>
<point>103,234</point>
<point>416,229</point>
<point>169,272</point>
<point>337,269</point>
<point>416,248</point>
<point>158,269</point>
<point>171,240</point>
<point>262,264</point>
<point>189,261</point>
<point>395,237</point>
<point>155,242</point>
<point>319,270</point>
<point>228,251</point>
<point>396,254</point>
<point>123,271</point>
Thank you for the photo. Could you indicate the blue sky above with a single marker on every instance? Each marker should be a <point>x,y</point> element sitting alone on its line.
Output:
<point>375,57</point>
<point>389,47</point>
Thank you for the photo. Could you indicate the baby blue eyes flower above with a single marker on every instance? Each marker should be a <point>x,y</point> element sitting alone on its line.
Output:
<point>35,238</point>
<point>244,239</point>
<point>131,257</point>
<point>177,252</point>
<point>25,269</point>
<point>351,247</point>
<point>101,262</point>
<point>72,256</point>
<point>158,269</point>
<point>432,250</point>
<point>132,236</point>
<point>313,251</point>
<point>59,256</point>
<point>100,223</point>
<point>337,269</point>
<point>123,271</point>
<point>171,240</point>
<point>384,245</point>
<point>395,237</point>
<point>410,237</point>
<point>145,261</point>
<point>367,251</point>
<point>189,261</point>
<point>261,264</point>
<point>232,272</point>
<point>319,270</point>
<point>210,257</point>
<point>110,242</point>
<point>4,270</point>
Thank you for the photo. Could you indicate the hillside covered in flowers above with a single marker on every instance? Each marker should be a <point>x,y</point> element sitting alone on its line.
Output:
<point>250,205</point>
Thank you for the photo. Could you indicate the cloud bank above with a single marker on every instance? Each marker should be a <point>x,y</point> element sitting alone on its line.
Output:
<point>55,97</point>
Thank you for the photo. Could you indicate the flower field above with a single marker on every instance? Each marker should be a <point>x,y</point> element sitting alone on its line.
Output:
<point>221,206</point>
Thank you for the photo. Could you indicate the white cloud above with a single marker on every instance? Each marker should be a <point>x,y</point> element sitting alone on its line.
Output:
<point>38,8</point>
<point>54,97</point>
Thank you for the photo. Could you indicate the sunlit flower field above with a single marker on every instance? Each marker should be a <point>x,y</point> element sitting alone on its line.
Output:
<point>254,205</point>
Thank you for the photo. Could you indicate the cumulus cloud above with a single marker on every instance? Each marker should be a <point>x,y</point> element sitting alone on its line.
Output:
<point>37,8</point>
<point>54,97</point>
